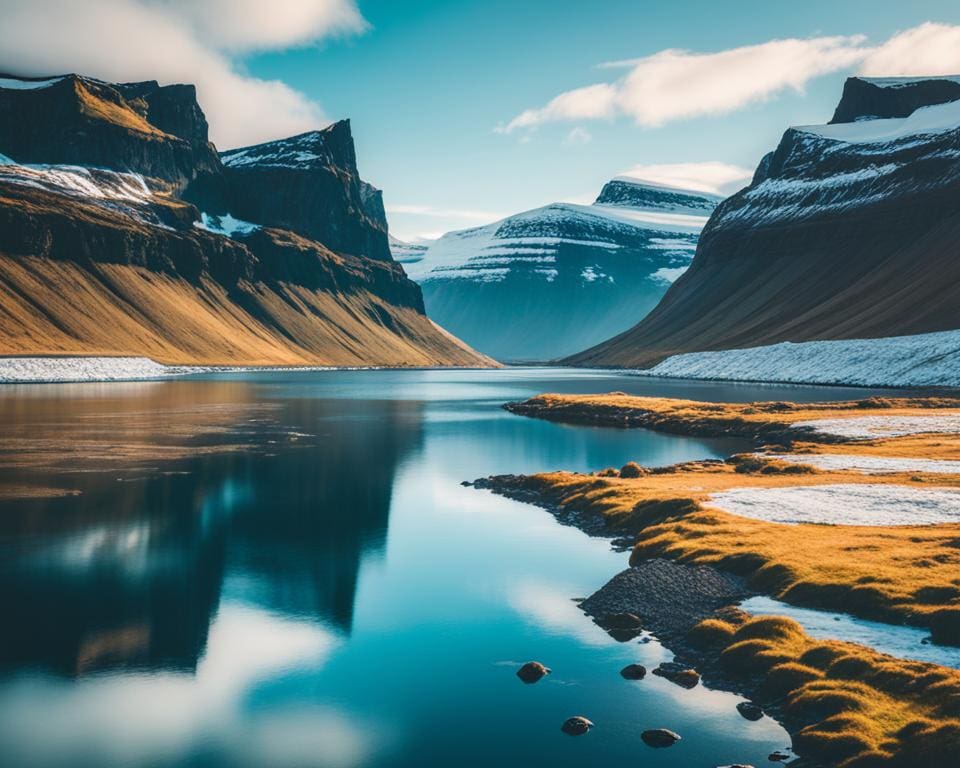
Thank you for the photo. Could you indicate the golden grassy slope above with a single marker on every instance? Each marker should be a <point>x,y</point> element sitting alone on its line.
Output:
<point>57,307</point>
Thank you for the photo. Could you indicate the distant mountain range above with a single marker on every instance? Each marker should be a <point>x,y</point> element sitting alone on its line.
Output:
<point>124,232</point>
<point>551,281</point>
<point>849,230</point>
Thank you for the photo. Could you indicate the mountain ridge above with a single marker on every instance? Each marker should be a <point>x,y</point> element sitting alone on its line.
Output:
<point>123,239</point>
<point>847,230</point>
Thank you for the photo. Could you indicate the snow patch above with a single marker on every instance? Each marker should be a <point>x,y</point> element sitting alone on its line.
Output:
<point>24,370</point>
<point>16,84</point>
<point>225,225</point>
<point>926,120</point>
<point>929,359</point>
<point>874,427</point>
<point>842,504</point>
<point>870,465</point>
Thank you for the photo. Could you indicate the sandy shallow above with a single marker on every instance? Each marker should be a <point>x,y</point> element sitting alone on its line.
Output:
<point>843,504</point>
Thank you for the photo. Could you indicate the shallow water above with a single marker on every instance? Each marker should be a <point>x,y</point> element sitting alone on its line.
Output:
<point>900,641</point>
<point>283,569</point>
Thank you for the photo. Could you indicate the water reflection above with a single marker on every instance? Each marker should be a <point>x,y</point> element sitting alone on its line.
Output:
<point>130,573</point>
<point>283,570</point>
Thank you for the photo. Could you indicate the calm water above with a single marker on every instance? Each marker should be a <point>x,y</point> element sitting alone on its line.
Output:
<point>282,569</point>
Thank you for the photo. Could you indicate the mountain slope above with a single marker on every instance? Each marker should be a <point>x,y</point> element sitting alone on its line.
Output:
<point>108,255</point>
<point>547,282</point>
<point>848,230</point>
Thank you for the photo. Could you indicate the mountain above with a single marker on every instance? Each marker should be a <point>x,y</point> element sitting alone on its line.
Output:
<point>849,230</point>
<point>550,281</point>
<point>122,232</point>
<point>309,184</point>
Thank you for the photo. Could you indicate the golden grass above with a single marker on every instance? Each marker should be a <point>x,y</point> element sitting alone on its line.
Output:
<point>108,111</point>
<point>897,573</point>
<point>754,420</point>
<point>57,307</point>
<point>861,708</point>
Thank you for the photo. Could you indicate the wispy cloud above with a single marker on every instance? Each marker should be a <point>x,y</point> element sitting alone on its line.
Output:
<point>444,213</point>
<point>181,41</point>
<point>929,49</point>
<point>676,84</point>
<point>713,177</point>
<point>578,136</point>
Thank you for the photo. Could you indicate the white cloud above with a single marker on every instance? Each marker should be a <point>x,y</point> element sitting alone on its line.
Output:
<point>713,177</point>
<point>444,213</point>
<point>675,84</point>
<point>578,135</point>
<point>929,49</point>
<point>176,41</point>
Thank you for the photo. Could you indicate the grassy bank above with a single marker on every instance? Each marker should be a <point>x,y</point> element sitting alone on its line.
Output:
<point>847,705</point>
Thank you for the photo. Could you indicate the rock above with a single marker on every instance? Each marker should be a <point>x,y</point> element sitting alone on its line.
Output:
<point>778,757</point>
<point>736,765</point>
<point>678,673</point>
<point>532,671</point>
<point>622,627</point>
<point>634,672</point>
<point>749,710</point>
<point>660,737</point>
<point>576,726</point>
<point>631,470</point>
<point>621,621</point>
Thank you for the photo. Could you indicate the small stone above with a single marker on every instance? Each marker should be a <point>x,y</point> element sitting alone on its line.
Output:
<point>532,671</point>
<point>634,672</point>
<point>678,674</point>
<point>621,621</point>
<point>576,726</point>
<point>749,710</point>
<point>778,757</point>
<point>659,737</point>
<point>736,765</point>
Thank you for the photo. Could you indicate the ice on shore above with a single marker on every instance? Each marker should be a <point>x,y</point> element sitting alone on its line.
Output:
<point>922,360</point>
<point>878,427</point>
<point>843,504</point>
<point>25,370</point>
<point>870,465</point>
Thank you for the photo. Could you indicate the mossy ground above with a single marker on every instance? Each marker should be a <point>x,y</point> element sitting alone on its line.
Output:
<point>858,708</point>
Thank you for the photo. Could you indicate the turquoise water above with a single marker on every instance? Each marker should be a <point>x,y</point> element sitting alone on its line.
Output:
<point>282,569</point>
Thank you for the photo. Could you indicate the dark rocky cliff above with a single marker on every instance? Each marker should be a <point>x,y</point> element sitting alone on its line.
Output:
<point>82,121</point>
<point>849,230</point>
<point>865,97</point>
<point>309,184</point>
<point>121,232</point>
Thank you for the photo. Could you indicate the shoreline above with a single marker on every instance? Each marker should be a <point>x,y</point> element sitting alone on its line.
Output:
<point>93,369</point>
<point>883,714</point>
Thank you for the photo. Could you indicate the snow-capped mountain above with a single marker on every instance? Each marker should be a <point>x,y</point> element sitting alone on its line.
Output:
<point>547,282</point>
<point>848,230</point>
<point>309,184</point>
<point>123,234</point>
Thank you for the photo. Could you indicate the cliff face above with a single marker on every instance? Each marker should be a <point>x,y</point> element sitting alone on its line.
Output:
<point>140,127</point>
<point>848,230</point>
<point>104,251</point>
<point>544,283</point>
<point>309,183</point>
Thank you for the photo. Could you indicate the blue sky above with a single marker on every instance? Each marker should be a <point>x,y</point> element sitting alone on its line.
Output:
<point>428,82</point>
<point>467,110</point>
